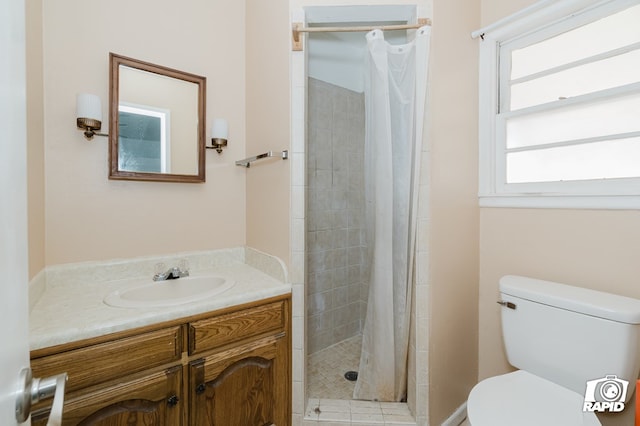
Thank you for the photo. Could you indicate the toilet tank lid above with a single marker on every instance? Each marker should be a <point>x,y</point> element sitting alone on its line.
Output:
<point>590,302</point>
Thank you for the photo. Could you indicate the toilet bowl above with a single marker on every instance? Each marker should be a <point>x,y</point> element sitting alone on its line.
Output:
<point>523,399</point>
<point>553,333</point>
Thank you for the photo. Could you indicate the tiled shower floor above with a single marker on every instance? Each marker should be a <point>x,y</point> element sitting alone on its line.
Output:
<point>330,393</point>
<point>326,368</point>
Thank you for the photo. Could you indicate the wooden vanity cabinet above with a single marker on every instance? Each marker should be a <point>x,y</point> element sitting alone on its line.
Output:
<point>225,368</point>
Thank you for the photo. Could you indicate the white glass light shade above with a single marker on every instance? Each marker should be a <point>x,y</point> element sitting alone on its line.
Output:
<point>88,106</point>
<point>220,129</point>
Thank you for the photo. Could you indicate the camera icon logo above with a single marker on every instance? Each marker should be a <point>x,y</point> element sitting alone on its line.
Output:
<point>605,394</point>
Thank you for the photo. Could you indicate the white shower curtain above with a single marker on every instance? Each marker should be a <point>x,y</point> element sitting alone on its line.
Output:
<point>395,96</point>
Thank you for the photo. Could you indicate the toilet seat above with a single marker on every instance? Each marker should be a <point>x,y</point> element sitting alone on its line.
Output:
<point>522,399</point>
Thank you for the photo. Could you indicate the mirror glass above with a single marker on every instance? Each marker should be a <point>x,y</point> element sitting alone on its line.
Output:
<point>156,122</point>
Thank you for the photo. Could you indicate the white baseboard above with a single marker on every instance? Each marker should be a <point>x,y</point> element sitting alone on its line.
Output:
<point>457,417</point>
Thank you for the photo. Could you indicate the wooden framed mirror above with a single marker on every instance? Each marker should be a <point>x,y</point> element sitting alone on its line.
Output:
<point>156,122</point>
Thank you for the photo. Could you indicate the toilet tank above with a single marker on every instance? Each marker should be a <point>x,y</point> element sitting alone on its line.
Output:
<point>568,334</point>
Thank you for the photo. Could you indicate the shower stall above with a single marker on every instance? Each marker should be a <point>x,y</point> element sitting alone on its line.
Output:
<point>336,250</point>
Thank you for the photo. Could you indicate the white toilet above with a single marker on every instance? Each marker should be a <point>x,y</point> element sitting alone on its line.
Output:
<point>559,337</point>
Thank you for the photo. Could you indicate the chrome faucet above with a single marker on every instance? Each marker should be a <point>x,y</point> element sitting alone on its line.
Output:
<point>172,273</point>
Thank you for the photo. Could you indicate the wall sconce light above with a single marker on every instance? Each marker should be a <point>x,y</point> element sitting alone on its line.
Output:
<point>89,114</point>
<point>219,134</point>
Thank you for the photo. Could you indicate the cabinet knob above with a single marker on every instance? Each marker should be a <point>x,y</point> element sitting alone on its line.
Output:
<point>173,400</point>
<point>201,388</point>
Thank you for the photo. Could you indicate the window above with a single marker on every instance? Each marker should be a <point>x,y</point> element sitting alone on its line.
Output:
<point>560,106</point>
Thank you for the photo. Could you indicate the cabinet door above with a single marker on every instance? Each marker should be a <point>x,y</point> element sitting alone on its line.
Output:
<point>150,400</point>
<point>246,385</point>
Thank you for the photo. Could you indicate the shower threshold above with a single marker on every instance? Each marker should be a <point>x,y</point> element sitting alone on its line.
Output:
<point>332,411</point>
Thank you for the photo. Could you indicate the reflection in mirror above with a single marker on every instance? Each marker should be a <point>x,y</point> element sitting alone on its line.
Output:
<point>156,122</point>
<point>143,142</point>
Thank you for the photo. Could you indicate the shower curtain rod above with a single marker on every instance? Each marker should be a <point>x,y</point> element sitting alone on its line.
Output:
<point>299,28</point>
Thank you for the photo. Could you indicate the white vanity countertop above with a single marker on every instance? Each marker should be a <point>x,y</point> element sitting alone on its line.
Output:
<point>68,313</point>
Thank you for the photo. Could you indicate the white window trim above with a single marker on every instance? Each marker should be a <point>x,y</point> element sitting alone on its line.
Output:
<point>532,18</point>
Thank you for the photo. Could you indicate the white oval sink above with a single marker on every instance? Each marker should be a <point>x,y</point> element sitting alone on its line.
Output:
<point>168,293</point>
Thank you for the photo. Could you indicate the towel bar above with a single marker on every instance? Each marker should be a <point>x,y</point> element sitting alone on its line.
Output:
<point>247,161</point>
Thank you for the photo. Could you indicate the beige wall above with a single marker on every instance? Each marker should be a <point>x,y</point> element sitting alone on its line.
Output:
<point>493,10</point>
<point>89,217</point>
<point>453,239</point>
<point>268,186</point>
<point>35,137</point>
